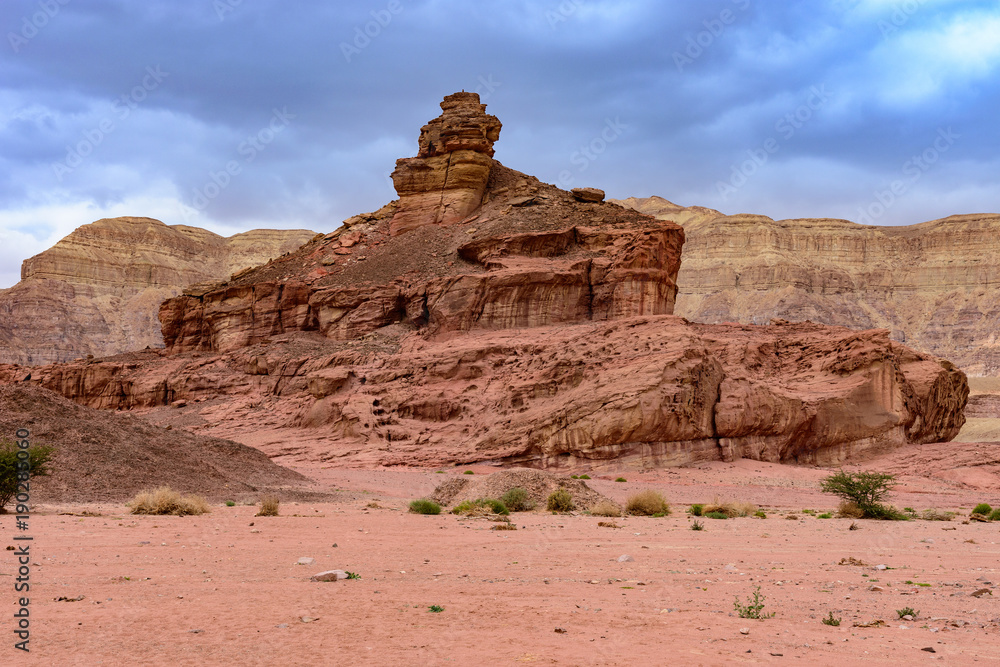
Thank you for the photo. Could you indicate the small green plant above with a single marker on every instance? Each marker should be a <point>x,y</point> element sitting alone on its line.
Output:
<point>560,500</point>
<point>468,472</point>
<point>716,515</point>
<point>760,514</point>
<point>353,575</point>
<point>907,611</point>
<point>830,620</point>
<point>697,525</point>
<point>754,607</point>
<point>439,472</point>
<point>824,515</point>
<point>808,511</point>
<point>695,510</point>
<point>584,476</point>
<point>866,490</point>
<point>909,510</point>
<point>982,508</point>
<point>620,479</point>
<point>574,477</point>
<point>994,515</point>
<point>424,506</point>
<point>647,503</point>
<point>517,500</point>
<point>269,505</point>
<point>435,608</point>
<point>230,503</point>
<point>38,466</point>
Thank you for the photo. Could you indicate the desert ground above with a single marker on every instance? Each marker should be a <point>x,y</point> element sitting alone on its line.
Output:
<point>111,588</point>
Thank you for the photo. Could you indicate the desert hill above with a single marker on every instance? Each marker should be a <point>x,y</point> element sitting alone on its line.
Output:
<point>97,291</point>
<point>101,456</point>
<point>934,285</point>
<point>487,316</point>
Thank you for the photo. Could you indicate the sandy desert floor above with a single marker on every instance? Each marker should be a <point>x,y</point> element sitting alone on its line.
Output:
<point>224,588</point>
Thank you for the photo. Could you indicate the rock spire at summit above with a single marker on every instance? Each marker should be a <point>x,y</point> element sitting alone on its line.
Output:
<point>447,179</point>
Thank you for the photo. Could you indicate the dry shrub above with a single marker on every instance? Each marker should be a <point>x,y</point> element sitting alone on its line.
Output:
<point>269,506</point>
<point>731,509</point>
<point>606,508</point>
<point>607,524</point>
<point>647,503</point>
<point>937,515</point>
<point>560,500</point>
<point>165,500</point>
<point>504,526</point>
<point>850,510</point>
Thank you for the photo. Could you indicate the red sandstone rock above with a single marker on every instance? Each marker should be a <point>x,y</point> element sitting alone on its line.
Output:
<point>536,331</point>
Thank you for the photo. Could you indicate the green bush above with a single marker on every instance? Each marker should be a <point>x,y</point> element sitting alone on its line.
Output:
<point>982,508</point>
<point>620,479</point>
<point>481,505</point>
<point>424,506</point>
<point>995,515</point>
<point>230,503</point>
<point>38,460</point>
<point>866,490</point>
<point>824,515</point>
<point>560,500</point>
<point>695,510</point>
<point>754,607</point>
<point>760,514</point>
<point>697,525</point>
<point>517,500</point>
<point>584,476</point>
<point>717,515</point>
<point>468,472</point>
<point>830,620</point>
<point>647,503</point>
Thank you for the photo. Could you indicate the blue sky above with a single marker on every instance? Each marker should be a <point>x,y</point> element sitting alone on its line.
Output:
<point>238,114</point>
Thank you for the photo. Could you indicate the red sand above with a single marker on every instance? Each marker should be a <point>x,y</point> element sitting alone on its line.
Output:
<point>224,588</point>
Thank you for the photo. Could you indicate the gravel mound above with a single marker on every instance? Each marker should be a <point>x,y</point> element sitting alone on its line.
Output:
<point>538,483</point>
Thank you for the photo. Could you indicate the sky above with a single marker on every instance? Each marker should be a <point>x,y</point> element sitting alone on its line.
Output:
<point>240,114</point>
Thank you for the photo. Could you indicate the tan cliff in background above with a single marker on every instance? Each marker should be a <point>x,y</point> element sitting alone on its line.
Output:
<point>935,285</point>
<point>98,290</point>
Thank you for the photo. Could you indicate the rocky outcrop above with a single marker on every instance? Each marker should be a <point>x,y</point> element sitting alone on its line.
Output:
<point>530,256</point>
<point>447,179</point>
<point>640,391</point>
<point>934,285</point>
<point>535,330</point>
<point>98,290</point>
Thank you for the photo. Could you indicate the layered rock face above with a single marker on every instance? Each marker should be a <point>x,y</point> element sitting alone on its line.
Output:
<point>933,285</point>
<point>535,330</point>
<point>98,290</point>
<point>447,179</point>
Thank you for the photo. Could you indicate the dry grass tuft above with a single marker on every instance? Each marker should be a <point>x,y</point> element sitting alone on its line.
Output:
<point>850,510</point>
<point>647,503</point>
<point>165,500</point>
<point>731,509</point>
<point>269,506</point>
<point>605,508</point>
<point>937,515</point>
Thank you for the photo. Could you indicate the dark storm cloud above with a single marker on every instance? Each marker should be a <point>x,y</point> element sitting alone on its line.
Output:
<point>231,114</point>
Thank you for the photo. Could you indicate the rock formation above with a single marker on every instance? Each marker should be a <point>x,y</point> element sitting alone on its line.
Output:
<point>98,290</point>
<point>933,285</point>
<point>534,329</point>
<point>447,179</point>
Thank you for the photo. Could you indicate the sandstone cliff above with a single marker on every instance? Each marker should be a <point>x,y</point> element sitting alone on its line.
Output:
<point>98,290</point>
<point>934,285</point>
<point>536,329</point>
